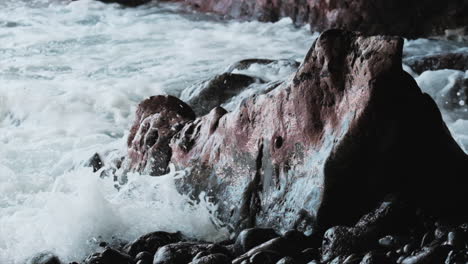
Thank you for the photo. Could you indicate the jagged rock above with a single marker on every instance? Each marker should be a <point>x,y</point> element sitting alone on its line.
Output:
<point>399,17</point>
<point>390,216</point>
<point>454,61</point>
<point>158,119</point>
<point>151,242</point>
<point>204,96</point>
<point>95,162</point>
<point>321,149</point>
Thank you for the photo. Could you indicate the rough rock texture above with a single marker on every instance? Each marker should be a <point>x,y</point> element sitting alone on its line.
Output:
<point>318,151</point>
<point>455,61</point>
<point>401,17</point>
<point>158,118</point>
<point>204,96</point>
<point>151,242</point>
<point>350,127</point>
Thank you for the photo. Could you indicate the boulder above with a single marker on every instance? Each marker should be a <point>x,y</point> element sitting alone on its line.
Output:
<point>158,119</point>
<point>319,150</point>
<point>109,256</point>
<point>454,61</point>
<point>151,242</point>
<point>412,18</point>
<point>327,146</point>
<point>184,252</point>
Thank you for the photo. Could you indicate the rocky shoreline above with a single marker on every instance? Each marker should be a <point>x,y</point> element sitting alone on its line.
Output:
<point>298,179</point>
<point>332,165</point>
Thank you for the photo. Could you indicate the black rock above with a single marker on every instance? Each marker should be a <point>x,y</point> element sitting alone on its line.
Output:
<point>184,252</point>
<point>252,237</point>
<point>144,257</point>
<point>44,258</point>
<point>95,162</point>
<point>151,242</point>
<point>206,95</point>
<point>109,256</point>
<point>287,260</point>
<point>455,239</point>
<point>212,259</point>
<point>428,255</point>
<point>375,258</point>
<point>265,257</point>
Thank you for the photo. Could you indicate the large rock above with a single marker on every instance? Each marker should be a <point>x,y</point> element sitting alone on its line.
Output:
<point>401,17</point>
<point>325,147</point>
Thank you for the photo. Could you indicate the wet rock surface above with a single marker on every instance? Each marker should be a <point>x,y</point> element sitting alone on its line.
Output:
<point>455,61</point>
<point>284,159</point>
<point>335,118</point>
<point>406,18</point>
<point>158,119</point>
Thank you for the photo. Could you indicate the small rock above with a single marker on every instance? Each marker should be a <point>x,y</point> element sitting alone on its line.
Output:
<point>455,239</point>
<point>375,258</point>
<point>265,257</point>
<point>144,256</point>
<point>287,260</point>
<point>213,259</point>
<point>427,238</point>
<point>353,259</point>
<point>109,256</point>
<point>44,258</point>
<point>389,242</point>
<point>434,254</point>
<point>252,237</point>
<point>151,242</point>
<point>95,162</point>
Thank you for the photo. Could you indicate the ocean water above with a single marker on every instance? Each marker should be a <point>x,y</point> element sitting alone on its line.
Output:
<point>71,75</point>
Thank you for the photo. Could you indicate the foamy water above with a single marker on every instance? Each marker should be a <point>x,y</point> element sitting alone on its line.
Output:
<point>71,75</point>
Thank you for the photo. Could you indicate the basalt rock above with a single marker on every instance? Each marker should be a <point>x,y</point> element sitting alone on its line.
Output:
<point>184,252</point>
<point>326,147</point>
<point>454,61</point>
<point>407,18</point>
<point>158,119</point>
<point>151,242</point>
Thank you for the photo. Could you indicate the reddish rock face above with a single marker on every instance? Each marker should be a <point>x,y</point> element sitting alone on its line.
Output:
<point>325,147</point>
<point>158,118</point>
<point>401,17</point>
<point>319,150</point>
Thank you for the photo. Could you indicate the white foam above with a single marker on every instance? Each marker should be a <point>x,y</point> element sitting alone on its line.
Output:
<point>71,75</point>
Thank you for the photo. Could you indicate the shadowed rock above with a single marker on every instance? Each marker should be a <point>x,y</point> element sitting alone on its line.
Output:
<point>325,147</point>
<point>455,61</point>
<point>204,96</point>
<point>158,119</point>
<point>400,17</point>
